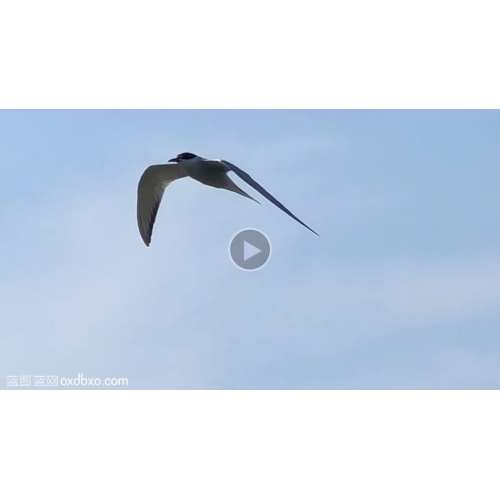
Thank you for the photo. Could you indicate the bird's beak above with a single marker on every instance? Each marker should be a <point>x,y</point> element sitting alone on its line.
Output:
<point>173,160</point>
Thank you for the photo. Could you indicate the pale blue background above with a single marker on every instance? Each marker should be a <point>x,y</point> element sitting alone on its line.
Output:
<point>402,289</point>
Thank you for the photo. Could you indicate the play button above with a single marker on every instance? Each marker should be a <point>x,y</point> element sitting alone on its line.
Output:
<point>250,249</point>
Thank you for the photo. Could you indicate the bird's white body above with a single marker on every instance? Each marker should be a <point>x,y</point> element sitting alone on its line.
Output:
<point>199,169</point>
<point>193,167</point>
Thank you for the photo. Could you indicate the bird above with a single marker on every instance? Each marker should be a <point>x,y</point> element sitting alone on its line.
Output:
<point>156,178</point>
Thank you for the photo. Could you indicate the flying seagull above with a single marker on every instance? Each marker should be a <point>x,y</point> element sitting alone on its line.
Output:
<point>156,178</point>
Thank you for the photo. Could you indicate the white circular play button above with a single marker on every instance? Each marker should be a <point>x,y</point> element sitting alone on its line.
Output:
<point>250,249</point>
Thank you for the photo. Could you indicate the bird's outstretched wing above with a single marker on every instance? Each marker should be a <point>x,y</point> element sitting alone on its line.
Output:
<point>244,176</point>
<point>150,191</point>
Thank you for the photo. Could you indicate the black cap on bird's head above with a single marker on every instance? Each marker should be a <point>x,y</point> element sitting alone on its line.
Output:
<point>182,156</point>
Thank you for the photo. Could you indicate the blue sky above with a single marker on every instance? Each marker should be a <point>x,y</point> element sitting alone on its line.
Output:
<point>401,291</point>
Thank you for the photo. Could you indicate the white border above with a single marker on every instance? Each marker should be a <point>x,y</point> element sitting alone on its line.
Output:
<point>250,444</point>
<point>275,54</point>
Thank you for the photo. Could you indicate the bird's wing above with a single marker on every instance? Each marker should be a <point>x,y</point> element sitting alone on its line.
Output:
<point>150,191</point>
<point>244,176</point>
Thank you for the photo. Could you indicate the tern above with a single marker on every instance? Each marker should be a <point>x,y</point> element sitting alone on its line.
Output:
<point>156,178</point>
